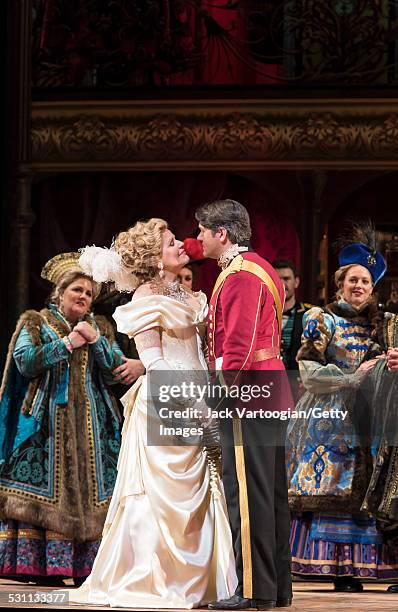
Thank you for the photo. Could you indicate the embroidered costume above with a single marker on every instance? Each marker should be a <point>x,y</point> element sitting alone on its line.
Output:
<point>59,444</point>
<point>328,470</point>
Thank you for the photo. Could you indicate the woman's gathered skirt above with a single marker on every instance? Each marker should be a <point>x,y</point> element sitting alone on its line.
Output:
<point>166,540</point>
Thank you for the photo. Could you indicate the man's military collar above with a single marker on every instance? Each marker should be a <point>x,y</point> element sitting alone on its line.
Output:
<point>227,256</point>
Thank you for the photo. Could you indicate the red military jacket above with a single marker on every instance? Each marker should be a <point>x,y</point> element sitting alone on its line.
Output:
<point>243,320</point>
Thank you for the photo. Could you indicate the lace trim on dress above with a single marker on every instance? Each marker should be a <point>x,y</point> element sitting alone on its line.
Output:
<point>171,289</point>
<point>147,339</point>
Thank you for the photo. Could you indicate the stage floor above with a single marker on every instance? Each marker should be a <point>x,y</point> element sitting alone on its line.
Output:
<point>308,597</point>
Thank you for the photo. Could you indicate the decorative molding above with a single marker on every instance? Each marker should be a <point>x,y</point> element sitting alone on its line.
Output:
<point>215,134</point>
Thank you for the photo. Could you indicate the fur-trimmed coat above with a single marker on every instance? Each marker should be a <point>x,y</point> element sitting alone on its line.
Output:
<point>59,427</point>
<point>327,468</point>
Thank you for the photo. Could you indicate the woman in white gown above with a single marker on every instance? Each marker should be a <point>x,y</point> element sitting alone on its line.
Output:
<point>166,540</point>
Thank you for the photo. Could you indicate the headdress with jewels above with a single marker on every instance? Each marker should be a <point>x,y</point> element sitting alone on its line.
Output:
<point>358,246</point>
<point>56,268</point>
<point>64,263</point>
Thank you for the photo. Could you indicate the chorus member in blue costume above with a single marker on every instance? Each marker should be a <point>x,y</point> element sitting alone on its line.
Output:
<point>328,470</point>
<point>59,433</point>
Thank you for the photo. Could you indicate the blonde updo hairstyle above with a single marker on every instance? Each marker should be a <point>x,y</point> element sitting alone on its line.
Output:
<point>69,278</point>
<point>141,248</point>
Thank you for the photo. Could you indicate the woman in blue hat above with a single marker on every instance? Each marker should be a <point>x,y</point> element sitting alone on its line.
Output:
<point>327,467</point>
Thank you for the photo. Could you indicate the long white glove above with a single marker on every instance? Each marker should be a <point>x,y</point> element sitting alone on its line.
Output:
<point>152,358</point>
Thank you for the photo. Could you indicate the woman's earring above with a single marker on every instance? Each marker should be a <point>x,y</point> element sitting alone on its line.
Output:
<point>161,270</point>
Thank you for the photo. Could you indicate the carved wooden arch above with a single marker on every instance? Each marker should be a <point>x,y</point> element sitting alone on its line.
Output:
<point>215,134</point>
<point>221,134</point>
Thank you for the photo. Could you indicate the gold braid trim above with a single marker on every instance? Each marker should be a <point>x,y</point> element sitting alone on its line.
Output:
<point>238,264</point>
<point>391,332</point>
<point>243,510</point>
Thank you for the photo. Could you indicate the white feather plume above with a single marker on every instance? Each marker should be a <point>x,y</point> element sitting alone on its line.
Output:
<point>105,265</point>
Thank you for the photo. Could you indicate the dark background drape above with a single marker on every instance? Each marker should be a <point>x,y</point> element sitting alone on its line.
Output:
<point>73,210</point>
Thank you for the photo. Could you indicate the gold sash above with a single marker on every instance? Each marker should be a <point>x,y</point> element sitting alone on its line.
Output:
<point>238,264</point>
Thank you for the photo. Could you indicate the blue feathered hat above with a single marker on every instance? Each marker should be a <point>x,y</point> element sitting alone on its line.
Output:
<point>362,251</point>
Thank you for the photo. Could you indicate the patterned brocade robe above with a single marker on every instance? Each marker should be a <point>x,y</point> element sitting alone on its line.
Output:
<point>327,469</point>
<point>59,427</point>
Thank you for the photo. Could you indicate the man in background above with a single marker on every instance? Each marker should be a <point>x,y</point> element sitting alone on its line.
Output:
<point>293,311</point>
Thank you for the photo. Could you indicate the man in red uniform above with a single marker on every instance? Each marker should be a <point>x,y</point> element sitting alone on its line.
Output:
<point>244,336</point>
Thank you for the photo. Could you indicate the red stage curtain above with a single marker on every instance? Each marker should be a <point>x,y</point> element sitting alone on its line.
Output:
<point>86,43</point>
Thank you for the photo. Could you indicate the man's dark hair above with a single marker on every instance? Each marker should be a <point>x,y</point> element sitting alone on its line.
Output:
<point>278,264</point>
<point>229,214</point>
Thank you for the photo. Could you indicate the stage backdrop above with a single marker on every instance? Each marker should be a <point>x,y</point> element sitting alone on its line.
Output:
<point>73,210</point>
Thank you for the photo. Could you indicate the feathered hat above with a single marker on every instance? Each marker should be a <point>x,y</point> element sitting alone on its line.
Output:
<point>358,246</point>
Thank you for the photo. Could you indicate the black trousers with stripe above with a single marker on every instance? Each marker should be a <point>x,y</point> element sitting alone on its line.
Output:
<point>264,479</point>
